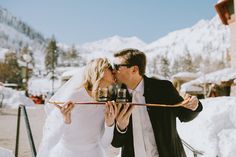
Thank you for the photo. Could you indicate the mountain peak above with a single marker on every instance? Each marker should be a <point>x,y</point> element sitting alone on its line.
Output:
<point>196,39</point>
<point>115,43</point>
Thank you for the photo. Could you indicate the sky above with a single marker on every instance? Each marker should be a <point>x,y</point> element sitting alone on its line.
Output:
<point>81,21</point>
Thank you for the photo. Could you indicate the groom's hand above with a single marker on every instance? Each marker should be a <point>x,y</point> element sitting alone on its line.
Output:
<point>190,102</point>
<point>122,119</point>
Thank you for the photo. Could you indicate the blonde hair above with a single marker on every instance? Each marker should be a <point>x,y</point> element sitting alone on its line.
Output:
<point>93,74</point>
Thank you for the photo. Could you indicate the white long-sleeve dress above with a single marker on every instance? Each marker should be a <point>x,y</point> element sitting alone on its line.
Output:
<point>86,136</point>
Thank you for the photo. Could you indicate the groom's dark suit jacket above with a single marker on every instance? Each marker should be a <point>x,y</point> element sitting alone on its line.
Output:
<point>163,120</point>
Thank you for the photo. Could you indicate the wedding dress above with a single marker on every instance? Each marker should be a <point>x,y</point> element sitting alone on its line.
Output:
<point>86,136</point>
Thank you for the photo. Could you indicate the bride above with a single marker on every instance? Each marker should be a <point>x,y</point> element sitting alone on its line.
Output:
<point>80,130</point>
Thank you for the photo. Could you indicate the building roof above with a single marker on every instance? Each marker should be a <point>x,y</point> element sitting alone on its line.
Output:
<point>216,77</point>
<point>185,76</point>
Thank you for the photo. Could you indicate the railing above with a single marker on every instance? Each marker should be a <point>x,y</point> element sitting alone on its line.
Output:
<point>28,129</point>
<point>195,152</point>
<point>1,99</point>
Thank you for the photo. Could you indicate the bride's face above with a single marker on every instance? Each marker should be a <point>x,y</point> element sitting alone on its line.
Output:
<point>108,76</point>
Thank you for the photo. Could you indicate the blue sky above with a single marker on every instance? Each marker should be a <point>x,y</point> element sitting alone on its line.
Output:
<point>80,21</point>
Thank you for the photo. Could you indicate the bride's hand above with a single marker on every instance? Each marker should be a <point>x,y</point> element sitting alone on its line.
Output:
<point>66,111</point>
<point>110,113</point>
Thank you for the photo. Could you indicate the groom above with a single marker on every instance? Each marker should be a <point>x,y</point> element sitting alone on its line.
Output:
<point>149,131</point>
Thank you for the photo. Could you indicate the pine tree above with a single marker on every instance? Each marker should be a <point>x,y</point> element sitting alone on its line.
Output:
<point>72,55</point>
<point>62,56</point>
<point>176,66</point>
<point>187,62</point>
<point>51,56</point>
<point>153,66</point>
<point>197,63</point>
<point>73,52</point>
<point>51,59</point>
<point>164,66</point>
<point>26,51</point>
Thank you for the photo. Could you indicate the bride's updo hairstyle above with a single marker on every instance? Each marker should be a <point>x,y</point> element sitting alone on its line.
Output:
<point>93,74</point>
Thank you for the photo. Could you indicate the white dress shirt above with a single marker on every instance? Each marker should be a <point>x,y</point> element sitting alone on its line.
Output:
<point>144,140</point>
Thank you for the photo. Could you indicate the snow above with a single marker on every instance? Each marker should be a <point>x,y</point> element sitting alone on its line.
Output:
<point>43,85</point>
<point>2,53</point>
<point>14,34</point>
<point>218,76</point>
<point>13,98</point>
<point>215,77</point>
<point>97,54</point>
<point>114,43</point>
<point>191,88</point>
<point>214,130</point>
<point>73,72</point>
<point>38,86</point>
<point>207,38</point>
<point>6,152</point>
<point>186,75</point>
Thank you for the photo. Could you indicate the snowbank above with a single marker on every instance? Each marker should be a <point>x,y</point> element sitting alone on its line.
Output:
<point>38,86</point>
<point>215,77</point>
<point>13,98</point>
<point>214,130</point>
<point>5,152</point>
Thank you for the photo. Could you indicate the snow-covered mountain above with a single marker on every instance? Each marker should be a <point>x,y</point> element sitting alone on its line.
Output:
<point>207,38</point>
<point>206,41</point>
<point>114,43</point>
<point>106,47</point>
<point>15,34</point>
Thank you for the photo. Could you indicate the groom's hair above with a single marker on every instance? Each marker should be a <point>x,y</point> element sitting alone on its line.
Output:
<point>133,57</point>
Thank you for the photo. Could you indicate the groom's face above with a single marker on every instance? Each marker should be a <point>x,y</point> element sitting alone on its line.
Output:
<point>122,71</point>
